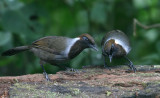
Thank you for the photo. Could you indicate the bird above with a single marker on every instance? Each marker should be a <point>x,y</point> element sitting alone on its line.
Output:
<point>56,49</point>
<point>116,44</point>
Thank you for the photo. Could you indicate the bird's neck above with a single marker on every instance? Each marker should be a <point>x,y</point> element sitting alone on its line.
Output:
<point>76,49</point>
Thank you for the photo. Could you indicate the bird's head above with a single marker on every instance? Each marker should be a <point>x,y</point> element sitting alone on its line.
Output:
<point>110,49</point>
<point>88,41</point>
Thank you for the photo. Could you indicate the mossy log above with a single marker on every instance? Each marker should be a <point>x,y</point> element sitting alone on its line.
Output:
<point>91,81</point>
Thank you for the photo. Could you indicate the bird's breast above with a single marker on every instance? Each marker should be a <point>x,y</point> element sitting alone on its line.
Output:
<point>69,44</point>
<point>76,49</point>
<point>125,45</point>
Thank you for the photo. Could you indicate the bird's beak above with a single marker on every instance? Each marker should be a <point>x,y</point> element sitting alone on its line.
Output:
<point>110,58</point>
<point>94,47</point>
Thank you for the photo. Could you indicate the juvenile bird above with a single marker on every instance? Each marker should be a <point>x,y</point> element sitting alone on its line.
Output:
<point>55,49</point>
<point>116,44</point>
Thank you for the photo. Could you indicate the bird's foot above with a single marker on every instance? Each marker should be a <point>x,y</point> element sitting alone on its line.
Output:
<point>106,67</point>
<point>132,68</point>
<point>46,76</point>
<point>72,70</point>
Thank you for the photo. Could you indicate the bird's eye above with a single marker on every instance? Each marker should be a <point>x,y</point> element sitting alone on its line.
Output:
<point>85,38</point>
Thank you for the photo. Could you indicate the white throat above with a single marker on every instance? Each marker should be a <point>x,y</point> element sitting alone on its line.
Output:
<point>125,47</point>
<point>69,44</point>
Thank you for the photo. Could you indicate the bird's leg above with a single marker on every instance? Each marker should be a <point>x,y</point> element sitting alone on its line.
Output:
<point>66,68</point>
<point>44,72</point>
<point>105,64</point>
<point>131,64</point>
<point>71,69</point>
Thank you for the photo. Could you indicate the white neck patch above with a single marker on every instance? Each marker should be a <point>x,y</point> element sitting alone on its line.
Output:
<point>69,44</point>
<point>125,47</point>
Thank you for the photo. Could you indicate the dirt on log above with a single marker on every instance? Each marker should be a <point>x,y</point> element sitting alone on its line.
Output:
<point>94,82</point>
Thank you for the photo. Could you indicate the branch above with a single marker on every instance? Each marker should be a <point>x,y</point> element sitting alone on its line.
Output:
<point>136,22</point>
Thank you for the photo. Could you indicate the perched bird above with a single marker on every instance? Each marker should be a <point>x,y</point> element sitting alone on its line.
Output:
<point>55,49</point>
<point>116,44</point>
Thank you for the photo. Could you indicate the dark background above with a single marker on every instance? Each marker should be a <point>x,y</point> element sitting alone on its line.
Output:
<point>24,21</point>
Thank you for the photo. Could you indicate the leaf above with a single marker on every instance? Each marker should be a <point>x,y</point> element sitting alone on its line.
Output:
<point>25,21</point>
<point>82,21</point>
<point>6,5</point>
<point>151,35</point>
<point>153,56</point>
<point>5,37</point>
<point>14,21</point>
<point>158,47</point>
<point>141,3</point>
<point>98,13</point>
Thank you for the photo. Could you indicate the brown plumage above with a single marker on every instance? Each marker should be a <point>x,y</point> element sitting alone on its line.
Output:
<point>116,44</point>
<point>120,52</point>
<point>87,36</point>
<point>56,49</point>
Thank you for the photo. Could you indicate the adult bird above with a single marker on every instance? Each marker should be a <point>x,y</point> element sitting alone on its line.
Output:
<point>55,49</point>
<point>116,44</point>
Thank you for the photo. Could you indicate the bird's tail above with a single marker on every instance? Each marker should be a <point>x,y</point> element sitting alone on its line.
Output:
<point>15,50</point>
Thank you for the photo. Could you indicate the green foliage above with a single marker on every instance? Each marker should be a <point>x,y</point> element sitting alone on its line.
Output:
<point>24,21</point>
<point>5,37</point>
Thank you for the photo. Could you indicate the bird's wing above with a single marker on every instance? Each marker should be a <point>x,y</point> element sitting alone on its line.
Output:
<point>53,51</point>
<point>49,44</point>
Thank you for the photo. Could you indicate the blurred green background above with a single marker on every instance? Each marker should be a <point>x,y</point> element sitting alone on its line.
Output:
<point>24,21</point>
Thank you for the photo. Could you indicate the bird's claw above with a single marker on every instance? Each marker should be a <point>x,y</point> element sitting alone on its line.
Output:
<point>132,67</point>
<point>72,69</point>
<point>105,66</point>
<point>46,76</point>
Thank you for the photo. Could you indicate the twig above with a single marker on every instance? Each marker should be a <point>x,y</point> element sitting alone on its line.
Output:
<point>136,22</point>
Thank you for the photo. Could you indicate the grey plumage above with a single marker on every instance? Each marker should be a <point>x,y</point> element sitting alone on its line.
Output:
<point>16,50</point>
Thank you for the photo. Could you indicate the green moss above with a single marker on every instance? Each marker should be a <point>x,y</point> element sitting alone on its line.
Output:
<point>16,80</point>
<point>75,91</point>
<point>69,88</point>
<point>28,90</point>
<point>148,90</point>
<point>144,85</point>
<point>108,93</point>
<point>156,66</point>
<point>147,74</point>
<point>24,90</point>
<point>156,82</point>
